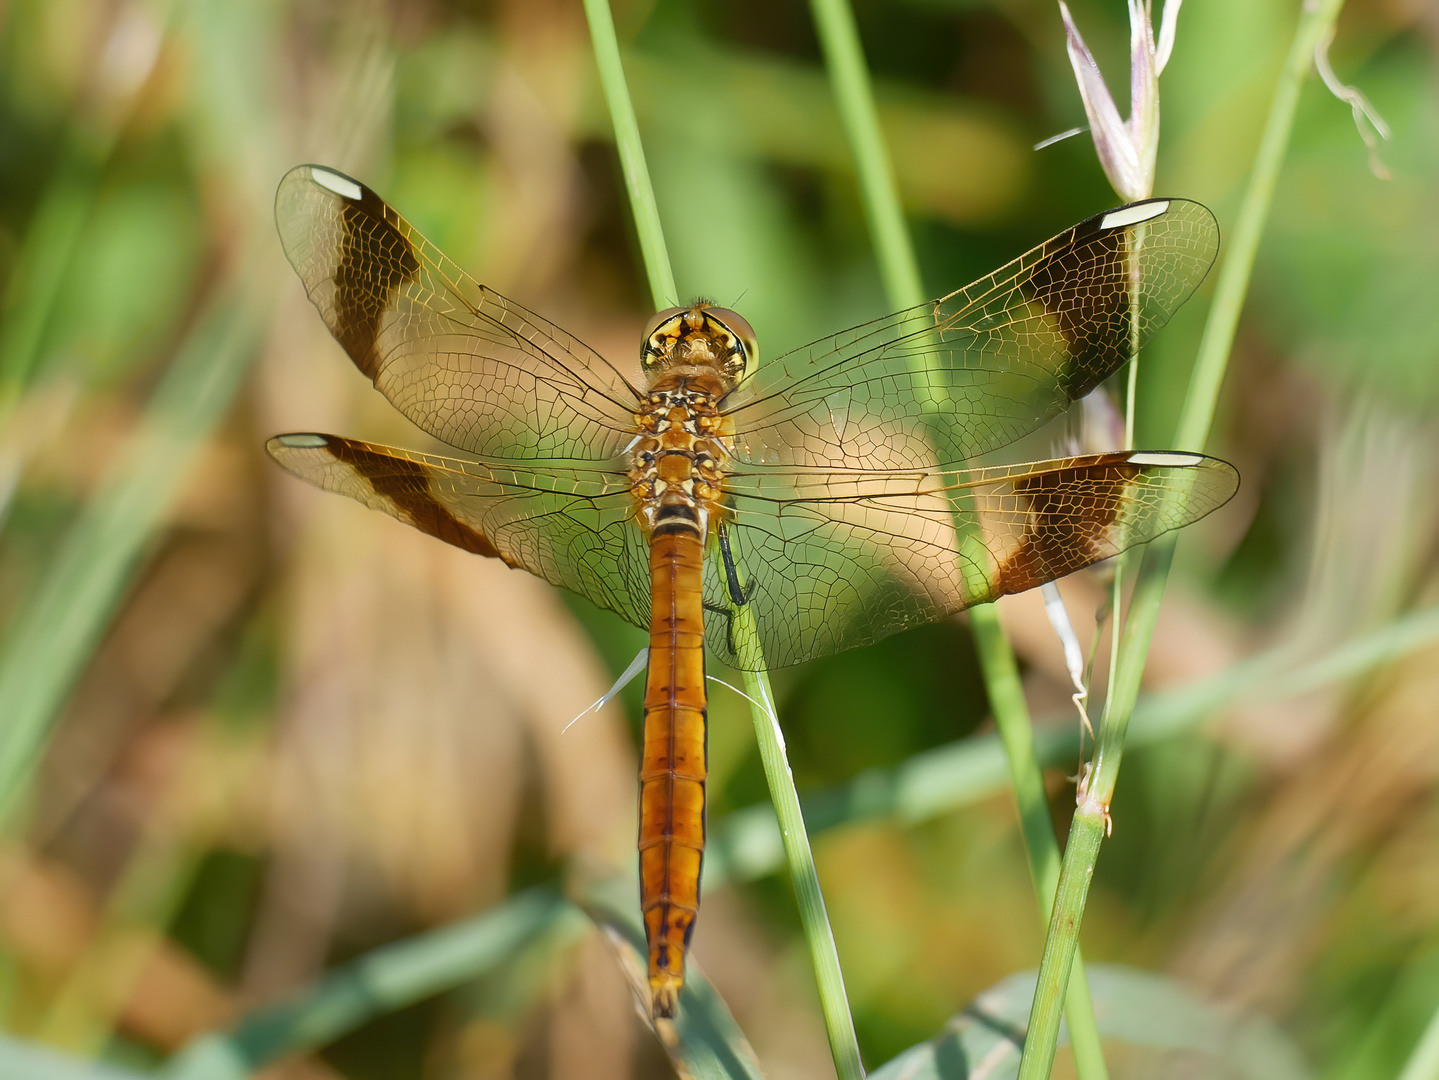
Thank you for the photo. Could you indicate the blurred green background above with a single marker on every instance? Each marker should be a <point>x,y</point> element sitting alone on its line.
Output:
<point>248,732</point>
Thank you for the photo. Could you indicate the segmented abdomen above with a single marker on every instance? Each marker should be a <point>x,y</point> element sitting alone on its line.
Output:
<point>672,771</point>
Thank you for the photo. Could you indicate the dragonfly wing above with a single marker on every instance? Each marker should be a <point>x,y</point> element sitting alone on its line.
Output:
<point>833,561</point>
<point>464,363</point>
<point>573,527</point>
<point>947,381</point>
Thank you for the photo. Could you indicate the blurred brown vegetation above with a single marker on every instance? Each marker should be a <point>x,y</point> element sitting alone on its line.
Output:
<point>306,731</point>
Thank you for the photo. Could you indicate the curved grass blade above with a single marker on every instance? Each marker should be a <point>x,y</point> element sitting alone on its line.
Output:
<point>380,982</point>
<point>21,1060</point>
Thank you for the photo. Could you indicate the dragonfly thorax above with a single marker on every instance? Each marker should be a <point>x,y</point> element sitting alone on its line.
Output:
<point>678,457</point>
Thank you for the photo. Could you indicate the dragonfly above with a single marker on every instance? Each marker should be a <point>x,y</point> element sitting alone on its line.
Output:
<point>766,513</point>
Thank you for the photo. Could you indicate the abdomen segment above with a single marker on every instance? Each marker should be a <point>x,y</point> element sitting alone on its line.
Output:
<point>672,771</point>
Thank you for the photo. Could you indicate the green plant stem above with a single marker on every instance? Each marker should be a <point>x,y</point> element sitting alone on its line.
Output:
<point>844,1046</point>
<point>854,96</point>
<point>834,1003</point>
<point>1091,820</point>
<point>1016,732</point>
<point>632,154</point>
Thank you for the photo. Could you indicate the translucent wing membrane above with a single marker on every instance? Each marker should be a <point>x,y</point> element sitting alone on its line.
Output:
<point>832,561</point>
<point>850,512</point>
<point>947,381</point>
<point>572,527</point>
<point>462,362</point>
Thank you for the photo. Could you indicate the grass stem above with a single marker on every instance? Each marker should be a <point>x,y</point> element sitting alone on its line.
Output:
<point>844,1046</point>
<point>834,1002</point>
<point>632,154</point>
<point>854,96</point>
<point>1091,820</point>
<point>904,287</point>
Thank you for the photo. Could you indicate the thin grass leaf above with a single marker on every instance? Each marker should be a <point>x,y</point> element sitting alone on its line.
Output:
<point>21,1060</point>
<point>632,154</point>
<point>834,1002</point>
<point>379,983</point>
<point>36,280</point>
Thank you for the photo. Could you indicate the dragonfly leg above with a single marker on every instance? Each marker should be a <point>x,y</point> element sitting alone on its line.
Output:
<point>737,594</point>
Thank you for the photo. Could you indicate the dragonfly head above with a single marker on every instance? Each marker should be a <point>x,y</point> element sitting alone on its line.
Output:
<point>699,335</point>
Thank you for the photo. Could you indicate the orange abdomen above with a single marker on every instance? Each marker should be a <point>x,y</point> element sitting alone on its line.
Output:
<point>673,765</point>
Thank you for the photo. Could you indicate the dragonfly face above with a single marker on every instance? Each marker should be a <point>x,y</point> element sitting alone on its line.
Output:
<point>833,490</point>
<point>699,335</point>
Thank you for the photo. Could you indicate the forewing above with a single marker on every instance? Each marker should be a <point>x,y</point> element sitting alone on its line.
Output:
<point>944,382</point>
<point>472,368</point>
<point>572,527</point>
<point>833,561</point>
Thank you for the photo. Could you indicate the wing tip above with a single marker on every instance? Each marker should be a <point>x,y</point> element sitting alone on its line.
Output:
<point>283,448</point>
<point>1168,458</point>
<point>1134,214</point>
<point>332,180</point>
<point>1185,459</point>
<point>1218,482</point>
<point>1151,210</point>
<point>338,183</point>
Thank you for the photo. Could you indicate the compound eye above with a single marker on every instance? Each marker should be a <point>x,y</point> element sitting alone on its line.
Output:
<point>659,319</point>
<point>739,326</point>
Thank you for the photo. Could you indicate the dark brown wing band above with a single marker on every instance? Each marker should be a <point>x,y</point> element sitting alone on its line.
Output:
<point>401,488</point>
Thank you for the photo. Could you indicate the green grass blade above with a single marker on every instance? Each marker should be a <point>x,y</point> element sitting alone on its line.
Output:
<point>834,22</point>
<point>1090,820</point>
<point>20,1060</point>
<point>834,1002</point>
<point>854,96</point>
<point>386,980</point>
<point>632,154</point>
<point>380,982</point>
<point>56,630</point>
<point>36,280</point>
